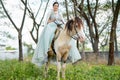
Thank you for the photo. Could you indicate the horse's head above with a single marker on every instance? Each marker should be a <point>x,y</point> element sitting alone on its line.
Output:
<point>75,29</point>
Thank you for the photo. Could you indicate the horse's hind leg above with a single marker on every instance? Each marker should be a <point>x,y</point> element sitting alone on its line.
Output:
<point>46,69</point>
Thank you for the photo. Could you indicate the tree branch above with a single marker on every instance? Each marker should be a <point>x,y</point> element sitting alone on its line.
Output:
<point>39,8</point>
<point>9,16</point>
<point>89,9</point>
<point>113,6</point>
<point>104,27</point>
<point>96,7</point>
<point>66,5</point>
<point>23,20</point>
<point>43,14</point>
<point>33,37</point>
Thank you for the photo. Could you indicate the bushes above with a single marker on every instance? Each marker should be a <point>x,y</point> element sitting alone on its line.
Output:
<point>14,70</point>
<point>94,72</point>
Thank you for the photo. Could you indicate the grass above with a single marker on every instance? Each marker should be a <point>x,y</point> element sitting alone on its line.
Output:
<point>14,70</point>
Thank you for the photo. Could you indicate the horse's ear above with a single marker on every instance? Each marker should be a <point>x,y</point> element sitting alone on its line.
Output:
<point>72,18</point>
<point>69,24</point>
<point>79,21</point>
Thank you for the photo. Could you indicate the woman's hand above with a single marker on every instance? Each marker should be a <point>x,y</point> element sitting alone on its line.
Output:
<point>49,21</point>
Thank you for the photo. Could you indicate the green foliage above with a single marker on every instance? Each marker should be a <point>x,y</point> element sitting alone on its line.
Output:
<point>14,70</point>
<point>30,49</point>
<point>5,35</point>
<point>10,48</point>
<point>87,49</point>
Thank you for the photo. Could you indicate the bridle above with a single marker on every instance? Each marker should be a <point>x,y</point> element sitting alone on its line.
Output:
<point>76,36</point>
<point>58,25</point>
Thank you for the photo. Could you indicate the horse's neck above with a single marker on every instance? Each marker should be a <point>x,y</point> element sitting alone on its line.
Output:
<point>64,37</point>
<point>63,40</point>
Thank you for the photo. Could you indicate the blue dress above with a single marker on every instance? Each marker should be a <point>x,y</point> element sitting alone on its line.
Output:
<point>45,39</point>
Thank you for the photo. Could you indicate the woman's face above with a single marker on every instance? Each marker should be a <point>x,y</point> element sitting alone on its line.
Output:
<point>55,7</point>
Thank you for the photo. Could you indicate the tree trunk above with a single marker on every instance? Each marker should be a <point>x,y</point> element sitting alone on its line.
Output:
<point>82,52</point>
<point>20,46</point>
<point>95,48</point>
<point>116,46</point>
<point>66,5</point>
<point>91,22</point>
<point>112,34</point>
<point>18,30</point>
<point>95,44</point>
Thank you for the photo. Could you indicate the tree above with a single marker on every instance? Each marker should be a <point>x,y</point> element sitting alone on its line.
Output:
<point>116,47</point>
<point>112,33</point>
<point>90,16</point>
<point>33,16</point>
<point>19,30</point>
<point>2,14</point>
<point>66,5</point>
<point>1,11</point>
<point>89,11</point>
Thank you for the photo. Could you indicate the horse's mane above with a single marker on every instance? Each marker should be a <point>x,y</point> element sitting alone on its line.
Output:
<point>79,21</point>
<point>69,25</point>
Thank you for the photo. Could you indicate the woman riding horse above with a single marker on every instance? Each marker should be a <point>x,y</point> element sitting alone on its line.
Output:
<point>45,39</point>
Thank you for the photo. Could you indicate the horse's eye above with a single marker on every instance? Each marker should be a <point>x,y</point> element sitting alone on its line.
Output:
<point>76,25</point>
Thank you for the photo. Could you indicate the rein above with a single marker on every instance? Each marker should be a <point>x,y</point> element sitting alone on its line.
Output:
<point>58,25</point>
<point>74,37</point>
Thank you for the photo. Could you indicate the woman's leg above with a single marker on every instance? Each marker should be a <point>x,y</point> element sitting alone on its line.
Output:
<point>45,39</point>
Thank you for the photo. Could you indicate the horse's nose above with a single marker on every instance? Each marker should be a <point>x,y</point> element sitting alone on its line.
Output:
<point>81,39</point>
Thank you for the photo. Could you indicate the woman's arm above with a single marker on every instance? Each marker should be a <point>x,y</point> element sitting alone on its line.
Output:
<point>47,20</point>
<point>48,17</point>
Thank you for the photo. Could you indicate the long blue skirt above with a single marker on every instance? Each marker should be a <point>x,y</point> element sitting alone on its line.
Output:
<point>44,41</point>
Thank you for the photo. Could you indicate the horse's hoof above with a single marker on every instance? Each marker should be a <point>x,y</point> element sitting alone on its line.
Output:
<point>63,76</point>
<point>45,75</point>
<point>58,78</point>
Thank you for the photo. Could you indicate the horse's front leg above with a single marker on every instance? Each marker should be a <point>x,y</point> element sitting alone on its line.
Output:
<point>46,69</point>
<point>58,65</point>
<point>64,58</point>
<point>63,69</point>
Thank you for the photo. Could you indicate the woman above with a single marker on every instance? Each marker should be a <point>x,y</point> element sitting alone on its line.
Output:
<point>40,55</point>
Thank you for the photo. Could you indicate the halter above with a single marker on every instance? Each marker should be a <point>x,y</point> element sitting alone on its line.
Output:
<point>76,36</point>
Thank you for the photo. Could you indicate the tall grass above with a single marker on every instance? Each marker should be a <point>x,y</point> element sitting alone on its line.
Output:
<point>14,70</point>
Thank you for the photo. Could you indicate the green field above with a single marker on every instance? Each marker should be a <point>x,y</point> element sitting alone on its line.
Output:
<point>14,70</point>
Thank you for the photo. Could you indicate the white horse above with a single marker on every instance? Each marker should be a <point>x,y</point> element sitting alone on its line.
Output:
<point>73,29</point>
